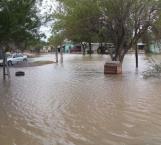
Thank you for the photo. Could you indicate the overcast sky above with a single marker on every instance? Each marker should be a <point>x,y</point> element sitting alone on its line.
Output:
<point>48,6</point>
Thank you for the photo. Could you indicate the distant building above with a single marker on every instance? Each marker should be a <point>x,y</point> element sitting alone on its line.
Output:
<point>46,49</point>
<point>155,47</point>
<point>67,46</point>
<point>141,46</point>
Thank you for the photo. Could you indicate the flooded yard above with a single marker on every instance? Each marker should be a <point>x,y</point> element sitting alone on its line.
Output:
<point>74,103</point>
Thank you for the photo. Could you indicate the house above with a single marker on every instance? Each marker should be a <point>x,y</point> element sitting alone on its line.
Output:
<point>155,47</point>
<point>46,49</point>
<point>141,46</point>
<point>67,46</point>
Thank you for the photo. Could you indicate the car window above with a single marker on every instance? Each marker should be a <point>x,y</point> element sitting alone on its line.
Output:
<point>20,55</point>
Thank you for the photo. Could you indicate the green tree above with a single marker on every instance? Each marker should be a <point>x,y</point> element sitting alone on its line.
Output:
<point>123,22</point>
<point>78,20</point>
<point>19,21</point>
<point>126,21</point>
<point>56,40</point>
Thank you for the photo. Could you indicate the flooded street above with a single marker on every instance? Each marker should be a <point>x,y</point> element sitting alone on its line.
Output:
<point>76,104</point>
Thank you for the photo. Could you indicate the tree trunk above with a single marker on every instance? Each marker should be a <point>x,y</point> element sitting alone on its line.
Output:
<point>61,54</point>
<point>90,48</point>
<point>120,53</point>
<point>56,54</point>
<point>83,49</point>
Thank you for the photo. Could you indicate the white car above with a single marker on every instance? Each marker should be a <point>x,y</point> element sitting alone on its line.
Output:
<point>16,58</point>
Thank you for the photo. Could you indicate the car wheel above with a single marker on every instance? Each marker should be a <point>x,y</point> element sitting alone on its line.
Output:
<point>10,63</point>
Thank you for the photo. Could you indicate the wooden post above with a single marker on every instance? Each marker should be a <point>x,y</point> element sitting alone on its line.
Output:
<point>56,54</point>
<point>136,55</point>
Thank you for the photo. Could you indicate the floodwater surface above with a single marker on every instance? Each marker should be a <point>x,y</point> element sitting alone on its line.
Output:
<point>76,104</point>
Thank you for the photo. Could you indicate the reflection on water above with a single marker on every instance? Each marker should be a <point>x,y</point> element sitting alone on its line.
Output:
<point>76,104</point>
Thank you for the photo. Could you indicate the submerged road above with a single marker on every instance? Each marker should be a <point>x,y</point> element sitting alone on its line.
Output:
<point>76,104</point>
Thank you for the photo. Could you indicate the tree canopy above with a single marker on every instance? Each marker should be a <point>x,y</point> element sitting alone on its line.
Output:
<point>77,19</point>
<point>19,21</point>
<point>56,40</point>
<point>121,22</point>
<point>126,21</point>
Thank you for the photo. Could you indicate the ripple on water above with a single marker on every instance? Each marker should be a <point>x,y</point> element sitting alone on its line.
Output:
<point>76,104</point>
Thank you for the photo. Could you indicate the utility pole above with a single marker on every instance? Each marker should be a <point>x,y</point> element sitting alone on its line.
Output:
<point>136,55</point>
<point>4,64</point>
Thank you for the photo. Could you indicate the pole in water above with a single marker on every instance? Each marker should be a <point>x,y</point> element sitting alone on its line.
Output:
<point>4,65</point>
<point>136,56</point>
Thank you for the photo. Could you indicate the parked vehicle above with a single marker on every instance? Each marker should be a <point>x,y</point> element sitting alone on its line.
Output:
<point>76,49</point>
<point>15,58</point>
<point>105,48</point>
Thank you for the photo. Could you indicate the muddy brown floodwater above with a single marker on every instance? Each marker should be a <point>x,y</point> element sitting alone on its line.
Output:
<point>76,104</point>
